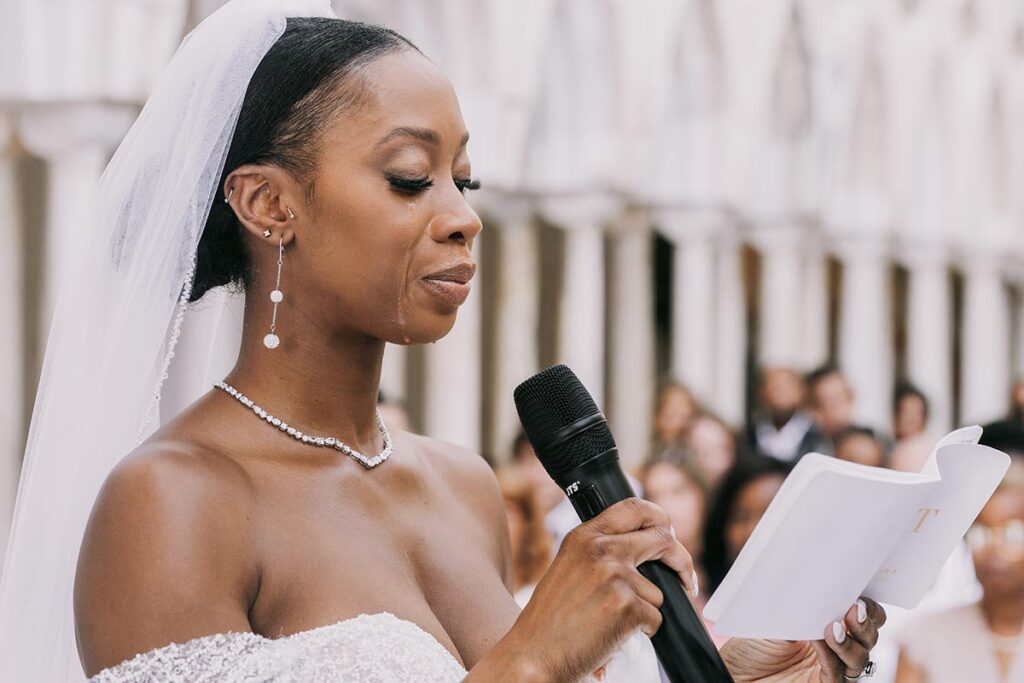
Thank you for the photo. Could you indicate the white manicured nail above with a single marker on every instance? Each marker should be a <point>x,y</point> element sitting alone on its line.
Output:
<point>862,611</point>
<point>673,530</point>
<point>696,584</point>
<point>839,632</point>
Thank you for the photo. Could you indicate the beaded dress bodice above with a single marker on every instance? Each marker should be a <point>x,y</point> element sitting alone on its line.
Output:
<point>370,648</point>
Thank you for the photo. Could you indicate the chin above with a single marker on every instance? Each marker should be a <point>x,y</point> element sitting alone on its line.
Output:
<point>423,329</point>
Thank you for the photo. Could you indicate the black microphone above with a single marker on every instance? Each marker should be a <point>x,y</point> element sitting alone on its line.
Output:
<point>575,446</point>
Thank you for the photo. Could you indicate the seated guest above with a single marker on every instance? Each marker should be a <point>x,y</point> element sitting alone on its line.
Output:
<point>735,510</point>
<point>914,443</point>
<point>982,641</point>
<point>548,493</point>
<point>672,480</point>
<point>713,446</point>
<point>860,445</point>
<point>831,402</point>
<point>782,428</point>
<point>531,544</point>
<point>674,409</point>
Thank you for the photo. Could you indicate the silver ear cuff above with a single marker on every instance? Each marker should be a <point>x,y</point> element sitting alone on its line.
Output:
<point>228,197</point>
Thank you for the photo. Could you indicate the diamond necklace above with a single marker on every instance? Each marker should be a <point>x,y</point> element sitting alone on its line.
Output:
<point>316,440</point>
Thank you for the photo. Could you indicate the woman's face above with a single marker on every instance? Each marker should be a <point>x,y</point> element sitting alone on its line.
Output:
<point>386,248</point>
<point>748,509</point>
<point>997,543</point>
<point>910,417</point>
<point>675,411</point>
<point>669,487</point>
<point>714,447</point>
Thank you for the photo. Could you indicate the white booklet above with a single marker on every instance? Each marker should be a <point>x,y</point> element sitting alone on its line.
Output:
<point>837,530</point>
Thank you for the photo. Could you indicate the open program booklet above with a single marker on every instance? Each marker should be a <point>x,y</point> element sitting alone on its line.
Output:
<point>837,530</point>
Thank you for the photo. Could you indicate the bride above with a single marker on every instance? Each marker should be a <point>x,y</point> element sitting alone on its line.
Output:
<point>276,529</point>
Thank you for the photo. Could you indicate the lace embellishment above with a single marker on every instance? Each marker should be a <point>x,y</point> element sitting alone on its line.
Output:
<point>370,648</point>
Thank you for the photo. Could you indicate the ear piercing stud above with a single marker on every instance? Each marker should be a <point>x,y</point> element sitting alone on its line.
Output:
<point>228,198</point>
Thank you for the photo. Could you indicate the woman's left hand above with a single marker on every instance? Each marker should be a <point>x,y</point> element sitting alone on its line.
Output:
<point>840,657</point>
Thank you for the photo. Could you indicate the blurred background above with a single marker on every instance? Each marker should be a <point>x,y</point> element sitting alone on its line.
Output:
<point>754,228</point>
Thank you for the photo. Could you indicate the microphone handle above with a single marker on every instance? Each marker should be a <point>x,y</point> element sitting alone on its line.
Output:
<point>683,646</point>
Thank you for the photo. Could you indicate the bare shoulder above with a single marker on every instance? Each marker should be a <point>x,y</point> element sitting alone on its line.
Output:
<point>167,554</point>
<point>473,481</point>
<point>464,469</point>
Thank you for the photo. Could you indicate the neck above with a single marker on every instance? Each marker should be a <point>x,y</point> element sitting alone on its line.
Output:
<point>321,381</point>
<point>781,419</point>
<point>1004,613</point>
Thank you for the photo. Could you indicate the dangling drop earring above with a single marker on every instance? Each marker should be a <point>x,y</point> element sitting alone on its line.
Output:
<point>271,340</point>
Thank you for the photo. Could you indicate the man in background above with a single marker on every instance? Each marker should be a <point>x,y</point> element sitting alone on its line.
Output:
<point>782,428</point>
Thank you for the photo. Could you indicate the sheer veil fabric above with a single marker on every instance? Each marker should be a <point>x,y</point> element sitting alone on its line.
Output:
<point>118,318</point>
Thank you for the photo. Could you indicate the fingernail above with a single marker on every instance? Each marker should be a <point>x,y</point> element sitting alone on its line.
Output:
<point>696,584</point>
<point>673,530</point>
<point>839,632</point>
<point>862,611</point>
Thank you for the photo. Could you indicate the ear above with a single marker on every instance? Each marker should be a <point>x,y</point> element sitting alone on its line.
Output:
<point>264,198</point>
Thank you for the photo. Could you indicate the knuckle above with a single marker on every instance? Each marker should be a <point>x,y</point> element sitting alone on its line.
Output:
<point>599,548</point>
<point>652,619</point>
<point>634,506</point>
<point>664,536</point>
<point>576,536</point>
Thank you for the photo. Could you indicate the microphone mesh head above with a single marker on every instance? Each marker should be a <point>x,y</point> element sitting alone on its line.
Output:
<point>552,400</point>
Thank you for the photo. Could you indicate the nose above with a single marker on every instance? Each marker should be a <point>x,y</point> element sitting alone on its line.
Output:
<point>457,223</point>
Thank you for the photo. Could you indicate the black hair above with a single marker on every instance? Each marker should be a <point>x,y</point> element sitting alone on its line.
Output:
<point>818,374</point>
<point>1004,435</point>
<point>906,390</point>
<point>715,559</point>
<point>303,81</point>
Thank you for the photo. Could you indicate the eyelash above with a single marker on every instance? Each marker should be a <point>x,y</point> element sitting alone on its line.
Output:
<point>417,185</point>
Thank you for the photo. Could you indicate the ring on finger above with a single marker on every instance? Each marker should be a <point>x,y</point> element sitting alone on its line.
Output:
<point>868,672</point>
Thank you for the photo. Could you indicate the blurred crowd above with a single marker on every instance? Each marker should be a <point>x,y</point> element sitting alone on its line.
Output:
<point>716,480</point>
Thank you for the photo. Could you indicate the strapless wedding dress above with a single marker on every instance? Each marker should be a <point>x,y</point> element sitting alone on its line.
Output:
<point>370,648</point>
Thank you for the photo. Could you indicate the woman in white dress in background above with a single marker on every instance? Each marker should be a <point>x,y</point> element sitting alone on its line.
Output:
<point>275,529</point>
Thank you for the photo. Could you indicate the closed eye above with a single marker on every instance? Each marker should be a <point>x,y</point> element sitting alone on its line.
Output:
<point>417,185</point>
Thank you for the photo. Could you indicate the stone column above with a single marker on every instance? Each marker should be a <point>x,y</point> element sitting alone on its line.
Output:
<point>12,380</point>
<point>517,315</point>
<point>782,295</point>
<point>865,336</point>
<point>693,304</point>
<point>813,342</point>
<point>930,333</point>
<point>76,140</point>
<point>730,332</point>
<point>985,356</point>
<point>581,318</point>
<point>631,337</point>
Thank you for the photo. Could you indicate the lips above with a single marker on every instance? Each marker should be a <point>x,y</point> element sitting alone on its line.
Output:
<point>452,283</point>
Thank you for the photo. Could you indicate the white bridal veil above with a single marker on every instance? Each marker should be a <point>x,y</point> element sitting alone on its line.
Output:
<point>118,318</point>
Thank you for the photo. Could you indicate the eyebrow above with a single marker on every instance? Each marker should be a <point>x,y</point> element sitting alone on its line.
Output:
<point>425,134</point>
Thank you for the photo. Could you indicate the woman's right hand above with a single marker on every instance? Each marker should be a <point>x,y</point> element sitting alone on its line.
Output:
<point>592,597</point>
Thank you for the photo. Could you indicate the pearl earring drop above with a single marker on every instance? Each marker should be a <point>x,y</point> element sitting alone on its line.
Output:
<point>271,341</point>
